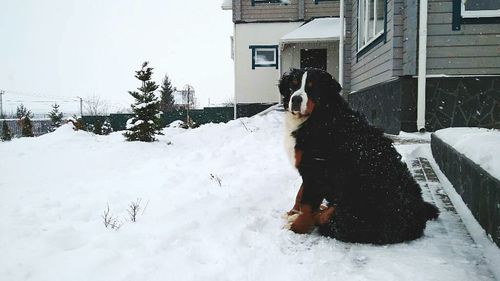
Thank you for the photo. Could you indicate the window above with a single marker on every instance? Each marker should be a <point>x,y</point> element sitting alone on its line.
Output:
<point>318,1</point>
<point>270,2</point>
<point>475,12</point>
<point>371,21</point>
<point>264,56</point>
<point>480,8</point>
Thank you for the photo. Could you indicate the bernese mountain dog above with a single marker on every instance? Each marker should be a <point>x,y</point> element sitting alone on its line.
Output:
<point>371,195</point>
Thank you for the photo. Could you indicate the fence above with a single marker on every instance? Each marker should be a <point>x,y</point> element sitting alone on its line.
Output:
<point>40,126</point>
<point>199,117</point>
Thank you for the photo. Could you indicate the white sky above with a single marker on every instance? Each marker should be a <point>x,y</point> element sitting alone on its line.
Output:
<point>56,50</point>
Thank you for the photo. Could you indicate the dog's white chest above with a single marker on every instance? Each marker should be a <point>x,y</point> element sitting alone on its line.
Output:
<point>291,124</point>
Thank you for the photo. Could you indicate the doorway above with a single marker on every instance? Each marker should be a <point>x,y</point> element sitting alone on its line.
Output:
<point>313,58</point>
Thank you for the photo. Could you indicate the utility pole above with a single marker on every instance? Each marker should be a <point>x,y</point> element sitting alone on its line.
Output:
<point>1,103</point>
<point>81,106</point>
<point>188,88</point>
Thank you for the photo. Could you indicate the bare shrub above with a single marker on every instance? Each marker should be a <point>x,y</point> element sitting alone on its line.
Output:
<point>95,106</point>
<point>133,209</point>
<point>217,179</point>
<point>110,221</point>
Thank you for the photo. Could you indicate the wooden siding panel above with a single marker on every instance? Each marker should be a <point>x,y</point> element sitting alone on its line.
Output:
<point>269,11</point>
<point>474,41</point>
<point>473,50</point>
<point>367,80</point>
<point>322,9</point>
<point>463,62</point>
<point>464,51</point>
<point>377,65</point>
<point>410,32</point>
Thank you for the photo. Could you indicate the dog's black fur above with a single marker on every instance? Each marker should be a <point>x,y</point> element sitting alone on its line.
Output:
<point>354,167</point>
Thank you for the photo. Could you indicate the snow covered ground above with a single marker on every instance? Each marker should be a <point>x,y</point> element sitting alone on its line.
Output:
<point>212,202</point>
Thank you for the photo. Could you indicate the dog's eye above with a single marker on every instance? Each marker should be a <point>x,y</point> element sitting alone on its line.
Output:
<point>309,84</point>
<point>295,82</point>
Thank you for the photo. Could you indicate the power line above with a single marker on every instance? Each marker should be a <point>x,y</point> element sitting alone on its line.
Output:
<point>36,95</point>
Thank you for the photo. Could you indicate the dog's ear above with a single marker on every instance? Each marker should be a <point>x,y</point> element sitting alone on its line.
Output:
<point>284,84</point>
<point>330,83</point>
<point>335,86</point>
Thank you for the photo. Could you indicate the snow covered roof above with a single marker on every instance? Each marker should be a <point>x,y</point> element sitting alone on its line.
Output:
<point>227,4</point>
<point>322,29</point>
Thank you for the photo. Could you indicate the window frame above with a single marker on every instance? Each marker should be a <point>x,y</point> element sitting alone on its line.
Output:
<point>458,17</point>
<point>378,37</point>
<point>268,2</point>
<point>479,13</point>
<point>319,1</point>
<point>255,48</point>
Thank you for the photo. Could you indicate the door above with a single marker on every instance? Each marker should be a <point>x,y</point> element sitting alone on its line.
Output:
<point>313,58</point>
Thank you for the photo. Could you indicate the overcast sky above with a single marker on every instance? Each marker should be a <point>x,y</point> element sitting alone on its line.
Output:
<point>55,50</point>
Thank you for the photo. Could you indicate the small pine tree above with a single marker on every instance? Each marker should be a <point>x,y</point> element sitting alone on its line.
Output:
<point>22,111</point>
<point>146,123</point>
<point>56,117</point>
<point>6,133</point>
<point>167,95</point>
<point>106,128</point>
<point>26,127</point>
<point>96,127</point>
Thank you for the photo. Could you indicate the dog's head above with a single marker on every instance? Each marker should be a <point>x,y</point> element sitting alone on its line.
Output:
<point>305,89</point>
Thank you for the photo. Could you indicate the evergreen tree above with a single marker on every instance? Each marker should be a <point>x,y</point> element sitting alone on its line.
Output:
<point>96,127</point>
<point>167,95</point>
<point>26,127</point>
<point>56,117</point>
<point>146,123</point>
<point>6,133</point>
<point>22,111</point>
<point>106,128</point>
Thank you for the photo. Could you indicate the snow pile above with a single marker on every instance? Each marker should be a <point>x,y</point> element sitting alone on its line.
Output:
<point>212,201</point>
<point>480,145</point>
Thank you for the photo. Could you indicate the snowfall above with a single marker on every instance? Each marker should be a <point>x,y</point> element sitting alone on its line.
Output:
<point>211,203</point>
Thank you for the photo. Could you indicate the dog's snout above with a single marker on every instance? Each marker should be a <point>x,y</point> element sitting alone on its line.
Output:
<point>296,100</point>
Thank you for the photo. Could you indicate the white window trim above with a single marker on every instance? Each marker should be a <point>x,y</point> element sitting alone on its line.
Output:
<point>480,13</point>
<point>269,63</point>
<point>366,26</point>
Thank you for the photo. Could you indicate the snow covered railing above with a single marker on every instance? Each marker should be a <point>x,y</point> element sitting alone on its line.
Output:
<point>470,159</point>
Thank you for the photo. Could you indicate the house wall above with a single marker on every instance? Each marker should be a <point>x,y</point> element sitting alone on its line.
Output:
<point>377,64</point>
<point>291,56</point>
<point>324,8</point>
<point>472,50</point>
<point>257,85</point>
<point>269,11</point>
<point>294,10</point>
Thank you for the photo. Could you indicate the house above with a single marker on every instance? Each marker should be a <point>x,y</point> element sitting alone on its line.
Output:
<point>407,65</point>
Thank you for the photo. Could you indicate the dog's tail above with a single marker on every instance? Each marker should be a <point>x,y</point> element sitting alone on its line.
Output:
<point>431,211</point>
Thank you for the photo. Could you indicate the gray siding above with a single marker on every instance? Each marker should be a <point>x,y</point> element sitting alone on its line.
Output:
<point>295,10</point>
<point>398,15</point>
<point>410,35</point>
<point>329,8</point>
<point>347,46</point>
<point>473,50</point>
<point>269,12</point>
<point>377,64</point>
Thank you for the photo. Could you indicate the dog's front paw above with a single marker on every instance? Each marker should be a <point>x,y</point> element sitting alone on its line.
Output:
<point>304,223</point>
<point>290,218</point>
